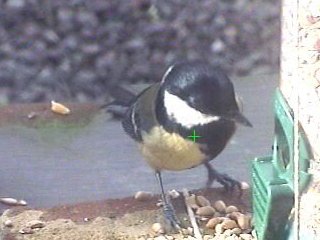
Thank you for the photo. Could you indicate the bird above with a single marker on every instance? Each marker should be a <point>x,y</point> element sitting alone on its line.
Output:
<point>192,96</point>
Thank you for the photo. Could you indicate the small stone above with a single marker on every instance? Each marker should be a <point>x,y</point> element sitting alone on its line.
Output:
<point>190,230</point>
<point>205,211</point>
<point>245,185</point>
<point>207,237</point>
<point>86,219</point>
<point>227,233</point>
<point>229,224</point>
<point>202,201</point>
<point>35,224</point>
<point>211,224</point>
<point>174,193</point>
<point>231,209</point>
<point>143,196</point>
<point>234,215</point>
<point>26,230</point>
<point>191,201</point>
<point>157,228</point>
<point>217,214</point>
<point>8,223</point>
<point>191,238</point>
<point>161,237</point>
<point>246,236</point>
<point>243,221</point>
<point>219,229</point>
<point>220,206</point>
<point>232,237</point>
<point>236,231</point>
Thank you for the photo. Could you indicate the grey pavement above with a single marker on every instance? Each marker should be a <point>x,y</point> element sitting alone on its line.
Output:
<point>48,167</point>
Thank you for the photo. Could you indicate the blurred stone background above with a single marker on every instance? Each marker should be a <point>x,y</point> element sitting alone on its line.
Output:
<point>75,50</point>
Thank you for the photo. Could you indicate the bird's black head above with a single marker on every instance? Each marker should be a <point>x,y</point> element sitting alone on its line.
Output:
<point>202,87</point>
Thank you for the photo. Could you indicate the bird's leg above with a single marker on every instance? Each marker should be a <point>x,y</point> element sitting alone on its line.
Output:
<point>227,182</point>
<point>168,209</point>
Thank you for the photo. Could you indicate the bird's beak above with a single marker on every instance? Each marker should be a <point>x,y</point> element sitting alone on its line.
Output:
<point>239,118</point>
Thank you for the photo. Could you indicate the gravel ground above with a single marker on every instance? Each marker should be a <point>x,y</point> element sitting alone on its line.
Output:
<point>76,49</point>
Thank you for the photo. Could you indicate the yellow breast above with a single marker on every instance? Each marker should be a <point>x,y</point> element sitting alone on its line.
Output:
<point>169,151</point>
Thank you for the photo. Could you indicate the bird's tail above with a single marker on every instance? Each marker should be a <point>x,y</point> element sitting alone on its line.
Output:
<point>123,99</point>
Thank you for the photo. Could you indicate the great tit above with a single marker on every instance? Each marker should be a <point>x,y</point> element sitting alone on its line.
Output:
<point>192,97</point>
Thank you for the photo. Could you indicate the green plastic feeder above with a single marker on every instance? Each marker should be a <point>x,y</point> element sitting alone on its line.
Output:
<point>272,176</point>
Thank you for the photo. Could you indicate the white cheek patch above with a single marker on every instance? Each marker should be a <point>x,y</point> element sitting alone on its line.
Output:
<point>182,113</point>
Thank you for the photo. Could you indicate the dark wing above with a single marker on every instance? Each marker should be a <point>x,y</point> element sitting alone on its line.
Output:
<point>131,124</point>
<point>141,114</point>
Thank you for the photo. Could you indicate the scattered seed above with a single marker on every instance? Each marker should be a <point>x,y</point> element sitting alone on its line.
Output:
<point>205,211</point>
<point>202,201</point>
<point>143,196</point>
<point>231,209</point>
<point>59,108</point>
<point>220,206</point>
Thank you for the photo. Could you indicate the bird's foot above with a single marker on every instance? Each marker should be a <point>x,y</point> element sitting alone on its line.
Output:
<point>170,215</point>
<point>229,183</point>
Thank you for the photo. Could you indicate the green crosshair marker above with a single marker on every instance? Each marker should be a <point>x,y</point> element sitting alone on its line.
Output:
<point>194,136</point>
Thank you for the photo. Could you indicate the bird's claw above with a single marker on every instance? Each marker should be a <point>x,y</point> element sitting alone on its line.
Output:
<point>170,216</point>
<point>227,182</point>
